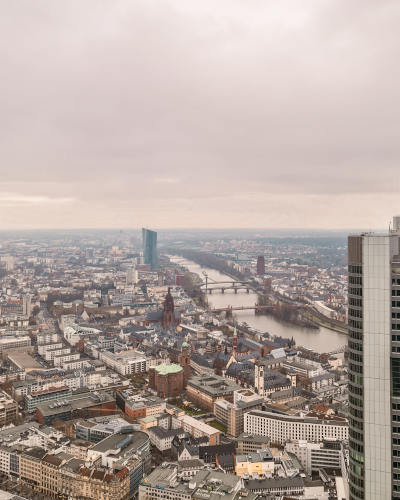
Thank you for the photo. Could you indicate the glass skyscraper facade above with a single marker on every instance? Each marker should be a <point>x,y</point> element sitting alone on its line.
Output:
<point>150,251</point>
<point>374,365</point>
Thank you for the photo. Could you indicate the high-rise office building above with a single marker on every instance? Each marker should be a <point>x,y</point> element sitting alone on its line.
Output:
<point>150,252</point>
<point>374,365</point>
<point>131,275</point>
<point>260,265</point>
<point>26,305</point>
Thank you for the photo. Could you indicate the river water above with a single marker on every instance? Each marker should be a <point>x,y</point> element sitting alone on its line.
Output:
<point>321,340</point>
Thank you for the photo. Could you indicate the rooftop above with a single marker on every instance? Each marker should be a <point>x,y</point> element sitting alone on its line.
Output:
<point>168,368</point>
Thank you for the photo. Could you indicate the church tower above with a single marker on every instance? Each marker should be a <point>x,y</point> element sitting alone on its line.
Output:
<point>168,314</point>
<point>234,341</point>
<point>184,361</point>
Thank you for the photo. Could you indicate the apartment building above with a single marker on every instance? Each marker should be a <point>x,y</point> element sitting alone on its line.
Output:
<point>312,426</point>
<point>30,466</point>
<point>43,348</point>
<point>61,359</point>
<point>46,338</point>
<point>57,351</point>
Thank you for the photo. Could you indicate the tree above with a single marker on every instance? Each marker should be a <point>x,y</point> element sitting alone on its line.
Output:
<point>36,310</point>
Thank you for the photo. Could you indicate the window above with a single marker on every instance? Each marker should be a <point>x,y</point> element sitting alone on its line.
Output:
<point>395,377</point>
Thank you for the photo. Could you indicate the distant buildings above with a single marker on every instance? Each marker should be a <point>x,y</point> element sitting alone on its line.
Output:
<point>260,265</point>
<point>150,251</point>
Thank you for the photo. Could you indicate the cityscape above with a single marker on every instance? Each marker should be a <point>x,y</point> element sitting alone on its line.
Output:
<point>145,364</point>
<point>199,250</point>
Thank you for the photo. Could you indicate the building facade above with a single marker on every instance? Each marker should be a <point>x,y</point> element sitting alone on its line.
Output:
<point>312,426</point>
<point>374,365</point>
<point>150,251</point>
<point>166,380</point>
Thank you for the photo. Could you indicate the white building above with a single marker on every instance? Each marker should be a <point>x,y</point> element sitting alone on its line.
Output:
<point>47,338</point>
<point>43,347</point>
<point>131,275</point>
<point>50,354</point>
<point>126,363</point>
<point>312,426</point>
<point>313,456</point>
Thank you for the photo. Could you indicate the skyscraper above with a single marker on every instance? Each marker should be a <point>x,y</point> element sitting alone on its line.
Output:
<point>26,305</point>
<point>131,275</point>
<point>260,265</point>
<point>374,365</point>
<point>150,252</point>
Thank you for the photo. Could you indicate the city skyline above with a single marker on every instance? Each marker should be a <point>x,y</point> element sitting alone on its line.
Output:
<point>234,115</point>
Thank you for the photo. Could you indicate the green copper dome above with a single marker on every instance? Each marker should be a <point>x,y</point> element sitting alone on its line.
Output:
<point>167,368</point>
<point>185,344</point>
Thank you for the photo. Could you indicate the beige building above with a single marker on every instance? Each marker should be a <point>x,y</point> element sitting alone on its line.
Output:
<point>53,476</point>
<point>232,414</point>
<point>251,443</point>
<point>8,409</point>
<point>204,390</point>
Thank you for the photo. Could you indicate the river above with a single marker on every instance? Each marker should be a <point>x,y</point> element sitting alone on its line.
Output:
<point>321,340</point>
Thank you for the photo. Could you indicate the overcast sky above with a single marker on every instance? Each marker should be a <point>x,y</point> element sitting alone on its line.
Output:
<point>199,113</point>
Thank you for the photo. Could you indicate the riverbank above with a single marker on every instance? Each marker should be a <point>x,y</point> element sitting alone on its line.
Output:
<point>321,339</point>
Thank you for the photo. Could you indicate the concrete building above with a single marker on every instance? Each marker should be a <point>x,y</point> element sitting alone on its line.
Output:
<point>8,409</point>
<point>52,394</point>
<point>97,429</point>
<point>204,390</point>
<point>116,446</point>
<point>144,407</point>
<point>84,405</point>
<point>125,363</point>
<point>251,443</point>
<point>313,456</point>
<point>312,426</point>
<point>48,346</point>
<point>162,484</point>
<point>162,438</point>
<point>26,305</point>
<point>9,342</point>
<point>232,414</point>
<point>23,361</point>
<point>196,428</point>
<point>131,275</point>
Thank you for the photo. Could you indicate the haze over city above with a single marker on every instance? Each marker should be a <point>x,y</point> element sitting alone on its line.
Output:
<point>174,113</point>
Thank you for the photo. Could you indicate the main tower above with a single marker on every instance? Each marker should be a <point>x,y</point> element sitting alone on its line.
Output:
<point>374,365</point>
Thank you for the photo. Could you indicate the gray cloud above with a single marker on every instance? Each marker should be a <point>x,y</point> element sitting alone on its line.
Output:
<point>178,113</point>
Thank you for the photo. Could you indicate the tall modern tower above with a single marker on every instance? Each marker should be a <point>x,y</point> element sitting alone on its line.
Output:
<point>150,252</point>
<point>374,365</point>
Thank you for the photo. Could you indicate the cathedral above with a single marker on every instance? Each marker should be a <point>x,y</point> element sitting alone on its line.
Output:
<point>169,315</point>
